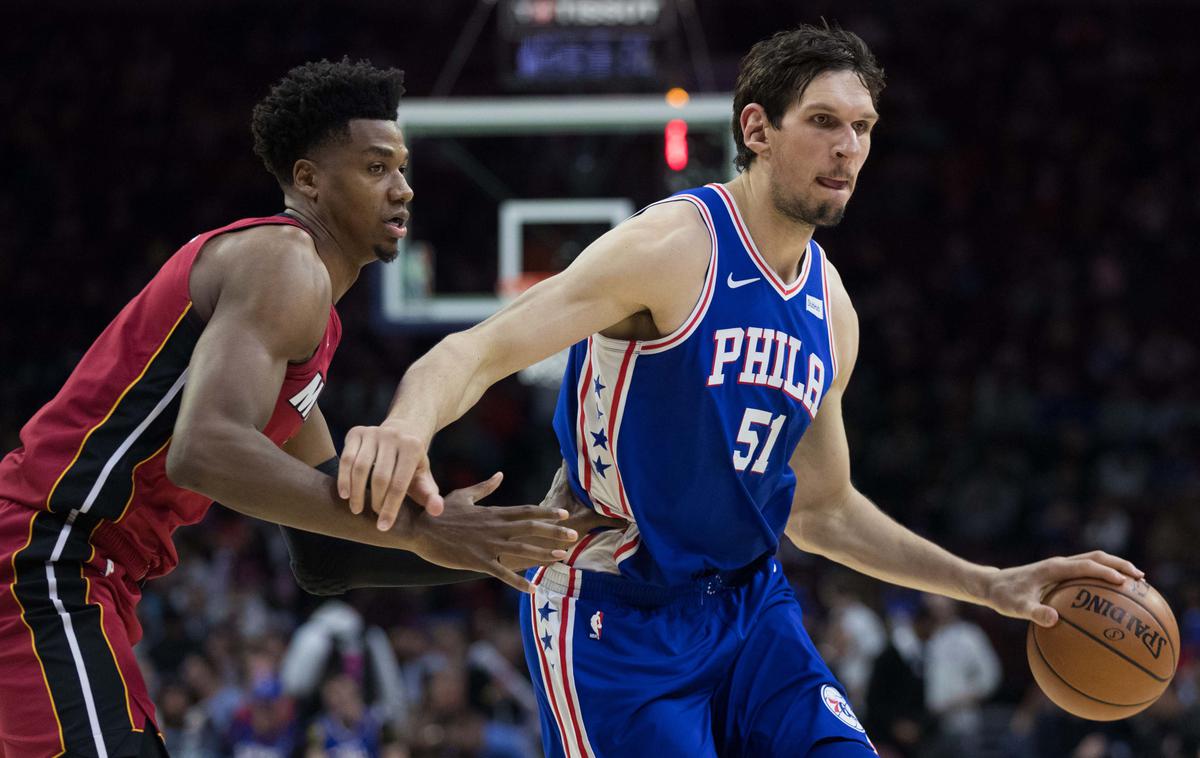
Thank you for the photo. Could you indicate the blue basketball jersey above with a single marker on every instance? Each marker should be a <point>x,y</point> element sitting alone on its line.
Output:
<point>688,437</point>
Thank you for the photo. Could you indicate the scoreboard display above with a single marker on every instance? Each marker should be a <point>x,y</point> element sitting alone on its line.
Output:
<point>607,44</point>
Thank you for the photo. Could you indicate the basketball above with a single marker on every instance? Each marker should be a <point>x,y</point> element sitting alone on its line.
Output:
<point>1112,653</point>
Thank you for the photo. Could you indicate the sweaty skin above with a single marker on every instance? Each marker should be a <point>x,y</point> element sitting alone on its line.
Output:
<point>641,280</point>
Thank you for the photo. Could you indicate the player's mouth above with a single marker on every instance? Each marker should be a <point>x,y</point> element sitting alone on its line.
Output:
<point>833,184</point>
<point>396,226</point>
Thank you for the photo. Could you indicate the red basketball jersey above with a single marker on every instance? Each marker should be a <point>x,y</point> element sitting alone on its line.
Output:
<point>100,446</point>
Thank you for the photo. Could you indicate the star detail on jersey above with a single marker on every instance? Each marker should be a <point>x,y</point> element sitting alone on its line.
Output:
<point>547,623</point>
<point>598,385</point>
<point>600,466</point>
<point>599,439</point>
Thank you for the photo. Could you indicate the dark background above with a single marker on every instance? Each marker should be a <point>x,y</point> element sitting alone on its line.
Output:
<point>1021,252</point>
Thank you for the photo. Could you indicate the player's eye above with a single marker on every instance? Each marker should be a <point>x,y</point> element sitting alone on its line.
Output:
<point>862,127</point>
<point>377,168</point>
<point>404,169</point>
<point>822,119</point>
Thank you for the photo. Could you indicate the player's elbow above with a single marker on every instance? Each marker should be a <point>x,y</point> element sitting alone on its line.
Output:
<point>475,357</point>
<point>190,464</point>
<point>318,563</point>
<point>816,523</point>
<point>181,468</point>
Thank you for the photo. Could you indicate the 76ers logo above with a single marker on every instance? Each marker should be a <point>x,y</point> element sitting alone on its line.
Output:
<point>835,701</point>
<point>597,625</point>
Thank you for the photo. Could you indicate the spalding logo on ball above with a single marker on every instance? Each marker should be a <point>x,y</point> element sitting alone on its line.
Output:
<point>1112,653</point>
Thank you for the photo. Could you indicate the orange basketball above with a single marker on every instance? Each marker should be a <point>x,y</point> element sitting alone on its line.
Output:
<point>1112,653</point>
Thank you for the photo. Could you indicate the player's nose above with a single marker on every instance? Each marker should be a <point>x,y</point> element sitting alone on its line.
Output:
<point>849,144</point>
<point>400,191</point>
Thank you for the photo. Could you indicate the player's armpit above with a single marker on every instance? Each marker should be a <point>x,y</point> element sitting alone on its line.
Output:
<point>313,444</point>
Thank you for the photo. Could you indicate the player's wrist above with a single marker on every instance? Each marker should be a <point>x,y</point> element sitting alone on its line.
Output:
<point>410,427</point>
<point>980,583</point>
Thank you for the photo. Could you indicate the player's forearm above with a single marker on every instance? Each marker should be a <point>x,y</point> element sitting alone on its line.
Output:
<point>855,533</point>
<point>243,470</point>
<point>326,565</point>
<point>441,386</point>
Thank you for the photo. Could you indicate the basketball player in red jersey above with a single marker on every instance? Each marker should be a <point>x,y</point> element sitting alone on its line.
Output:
<point>187,397</point>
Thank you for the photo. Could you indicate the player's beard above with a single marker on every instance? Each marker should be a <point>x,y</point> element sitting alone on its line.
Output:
<point>387,254</point>
<point>805,211</point>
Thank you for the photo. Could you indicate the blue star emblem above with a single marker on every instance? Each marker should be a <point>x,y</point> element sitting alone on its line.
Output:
<point>546,641</point>
<point>599,439</point>
<point>599,412</point>
<point>598,385</point>
<point>600,466</point>
<point>545,611</point>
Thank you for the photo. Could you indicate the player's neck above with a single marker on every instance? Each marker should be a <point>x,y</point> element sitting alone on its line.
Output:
<point>781,240</point>
<point>343,269</point>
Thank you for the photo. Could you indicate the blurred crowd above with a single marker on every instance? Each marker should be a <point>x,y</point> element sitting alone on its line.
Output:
<point>1021,252</point>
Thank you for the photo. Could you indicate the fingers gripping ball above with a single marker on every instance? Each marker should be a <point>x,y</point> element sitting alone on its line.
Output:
<point>1112,653</point>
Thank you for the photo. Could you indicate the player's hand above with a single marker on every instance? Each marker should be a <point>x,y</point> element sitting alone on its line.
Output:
<point>394,465</point>
<point>582,519</point>
<point>472,537</point>
<point>1018,591</point>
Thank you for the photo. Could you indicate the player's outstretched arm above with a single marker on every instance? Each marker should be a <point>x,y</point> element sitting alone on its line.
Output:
<point>653,265</point>
<point>267,298</point>
<point>496,541</point>
<point>832,518</point>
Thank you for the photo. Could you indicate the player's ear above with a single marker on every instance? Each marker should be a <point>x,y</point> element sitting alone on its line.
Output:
<point>304,178</point>
<point>753,121</point>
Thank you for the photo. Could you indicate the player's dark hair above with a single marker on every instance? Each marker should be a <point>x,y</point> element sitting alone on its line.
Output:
<point>777,70</point>
<point>314,103</point>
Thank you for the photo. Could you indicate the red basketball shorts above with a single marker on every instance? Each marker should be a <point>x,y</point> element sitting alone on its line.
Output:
<point>71,685</point>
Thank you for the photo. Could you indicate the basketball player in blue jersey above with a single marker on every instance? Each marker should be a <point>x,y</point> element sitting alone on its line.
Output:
<point>712,341</point>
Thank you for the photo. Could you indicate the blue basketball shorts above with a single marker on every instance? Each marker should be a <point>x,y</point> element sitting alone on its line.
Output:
<point>721,667</point>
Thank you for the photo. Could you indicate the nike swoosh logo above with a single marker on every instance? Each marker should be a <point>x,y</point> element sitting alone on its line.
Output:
<point>735,283</point>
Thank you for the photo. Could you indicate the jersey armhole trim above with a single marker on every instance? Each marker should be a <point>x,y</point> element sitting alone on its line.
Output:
<point>828,308</point>
<point>689,325</point>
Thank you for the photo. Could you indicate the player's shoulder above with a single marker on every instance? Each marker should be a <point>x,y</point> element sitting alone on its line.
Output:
<point>662,236</point>
<point>670,222</point>
<point>838,294</point>
<point>845,317</point>
<point>271,260</point>
<point>268,277</point>
<point>282,247</point>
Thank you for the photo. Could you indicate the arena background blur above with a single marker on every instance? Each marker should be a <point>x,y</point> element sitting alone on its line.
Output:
<point>1021,252</point>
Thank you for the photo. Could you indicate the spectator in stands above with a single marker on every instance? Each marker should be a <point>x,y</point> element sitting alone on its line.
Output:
<point>961,673</point>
